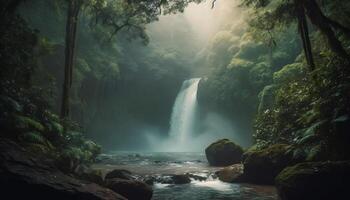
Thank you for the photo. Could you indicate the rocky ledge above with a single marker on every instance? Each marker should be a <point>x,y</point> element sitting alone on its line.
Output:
<point>24,175</point>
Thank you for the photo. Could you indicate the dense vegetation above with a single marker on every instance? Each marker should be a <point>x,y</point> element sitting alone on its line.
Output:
<point>103,78</point>
<point>266,76</point>
<point>104,70</point>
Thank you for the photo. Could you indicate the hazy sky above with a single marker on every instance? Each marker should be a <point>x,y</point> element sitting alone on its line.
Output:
<point>202,21</point>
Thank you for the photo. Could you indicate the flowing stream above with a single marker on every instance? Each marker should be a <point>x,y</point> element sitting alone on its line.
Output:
<point>162,164</point>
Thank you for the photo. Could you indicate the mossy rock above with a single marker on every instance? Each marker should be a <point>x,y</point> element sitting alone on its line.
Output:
<point>262,166</point>
<point>223,153</point>
<point>314,181</point>
<point>231,174</point>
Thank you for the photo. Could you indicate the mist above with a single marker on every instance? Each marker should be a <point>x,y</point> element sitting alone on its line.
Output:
<point>181,39</point>
<point>174,99</point>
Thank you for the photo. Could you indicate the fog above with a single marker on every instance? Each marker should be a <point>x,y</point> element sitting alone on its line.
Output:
<point>185,35</point>
<point>123,93</point>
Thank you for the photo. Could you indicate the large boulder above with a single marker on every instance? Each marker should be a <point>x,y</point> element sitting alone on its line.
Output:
<point>91,175</point>
<point>231,174</point>
<point>262,166</point>
<point>223,153</point>
<point>131,189</point>
<point>27,176</point>
<point>119,173</point>
<point>314,181</point>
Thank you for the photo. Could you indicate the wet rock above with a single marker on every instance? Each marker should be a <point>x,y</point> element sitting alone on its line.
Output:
<point>181,179</point>
<point>27,176</point>
<point>173,179</point>
<point>262,166</point>
<point>223,153</point>
<point>231,174</point>
<point>119,173</point>
<point>197,177</point>
<point>150,180</point>
<point>131,189</point>
<point>314,181</point>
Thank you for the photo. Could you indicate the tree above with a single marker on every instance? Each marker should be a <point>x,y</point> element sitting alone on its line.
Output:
<point>283,12</point>
<point>9,6</point>
<point>117,15</point>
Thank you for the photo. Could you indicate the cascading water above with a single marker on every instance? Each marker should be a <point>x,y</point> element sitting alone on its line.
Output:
<point>183,117</point>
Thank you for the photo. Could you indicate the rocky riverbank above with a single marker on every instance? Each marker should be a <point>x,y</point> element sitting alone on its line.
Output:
<point>294,178</point>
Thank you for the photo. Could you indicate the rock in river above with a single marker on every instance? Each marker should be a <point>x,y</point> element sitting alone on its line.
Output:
<point>223,153</point>
<point>231,174</point>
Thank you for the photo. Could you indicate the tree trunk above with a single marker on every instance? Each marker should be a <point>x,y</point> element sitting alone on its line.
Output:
<point>71,30</point>
<point>304,33</point>
<point>317,18</point>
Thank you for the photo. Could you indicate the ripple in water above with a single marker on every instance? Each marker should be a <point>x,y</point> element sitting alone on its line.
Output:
<point>160,164</point>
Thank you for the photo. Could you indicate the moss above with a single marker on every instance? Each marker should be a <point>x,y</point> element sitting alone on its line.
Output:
<point>289,72</point>
<point>225,144</point>
<point>262,166</point>
<point>289,173</point>
<point>272,151</point>
<point>329,179</point>
<point>223,153</point>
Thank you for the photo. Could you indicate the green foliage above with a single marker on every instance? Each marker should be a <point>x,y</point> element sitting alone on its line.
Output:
<point>241,69</point>
<point>16,55</point>
<point>26,123</point>
<point>289,73</point>
<point>304,105</point>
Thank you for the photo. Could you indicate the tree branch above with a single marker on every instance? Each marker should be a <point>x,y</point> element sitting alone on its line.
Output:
<point>213,4</point>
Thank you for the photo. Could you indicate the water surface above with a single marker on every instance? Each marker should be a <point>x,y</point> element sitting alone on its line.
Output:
<point>160,164</point>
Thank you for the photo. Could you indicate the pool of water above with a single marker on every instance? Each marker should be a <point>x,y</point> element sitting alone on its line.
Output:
<point>162,163</point>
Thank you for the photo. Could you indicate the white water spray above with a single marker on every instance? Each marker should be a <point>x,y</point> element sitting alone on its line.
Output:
<point>187,133</point>
<point>183,117</point>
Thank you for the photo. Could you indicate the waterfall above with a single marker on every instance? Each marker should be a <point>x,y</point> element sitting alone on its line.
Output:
<point>183,117</point>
